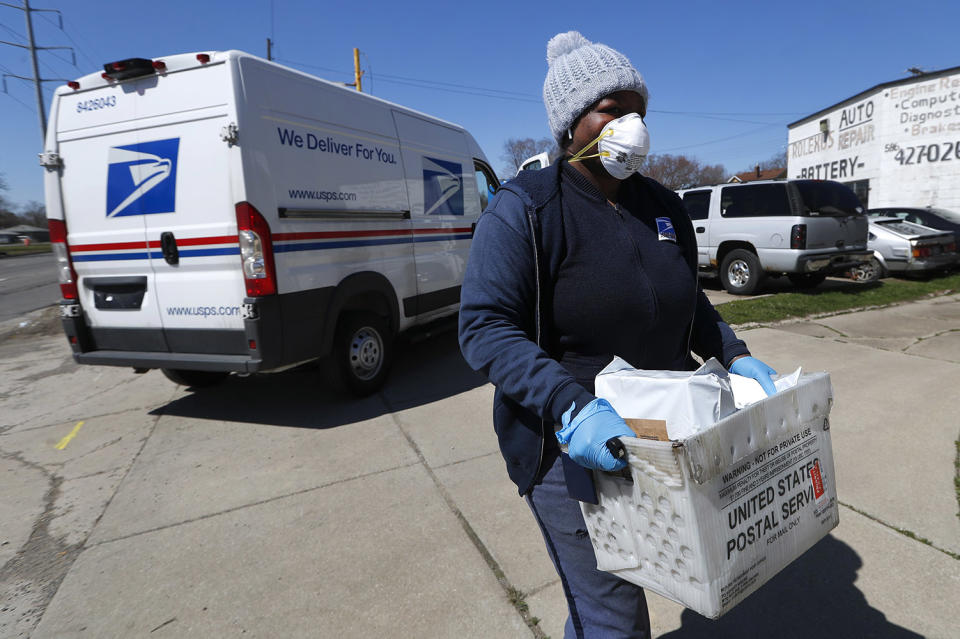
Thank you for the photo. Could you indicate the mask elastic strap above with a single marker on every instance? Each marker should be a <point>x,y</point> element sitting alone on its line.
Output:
<point>579,155</point>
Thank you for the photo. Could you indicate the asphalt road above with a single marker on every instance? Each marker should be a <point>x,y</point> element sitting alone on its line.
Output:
<point>27,283</point>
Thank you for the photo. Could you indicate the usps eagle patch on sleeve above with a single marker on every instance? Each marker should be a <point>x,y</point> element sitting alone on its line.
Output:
<point>665,230</point>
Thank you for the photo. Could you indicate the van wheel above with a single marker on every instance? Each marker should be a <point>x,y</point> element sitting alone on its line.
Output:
<point>740,272</point>
<point>363,350</point>
<point>196,379</point>
<point>807,280</point>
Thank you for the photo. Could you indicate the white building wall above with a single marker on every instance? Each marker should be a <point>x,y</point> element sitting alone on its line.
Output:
<point>904,139</point>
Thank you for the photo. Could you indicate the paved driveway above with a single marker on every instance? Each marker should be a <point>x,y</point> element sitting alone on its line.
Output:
<point>269,506</point>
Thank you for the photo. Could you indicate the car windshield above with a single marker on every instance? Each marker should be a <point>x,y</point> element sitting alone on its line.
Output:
<point>827,198</point>
<point>950,216</point>
<point>902,227</point>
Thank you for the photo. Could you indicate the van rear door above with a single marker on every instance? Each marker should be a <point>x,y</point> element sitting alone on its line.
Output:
<point>103,172</point>
<point>835,217</point>
<point>146,196</point>
<point>194,248</point>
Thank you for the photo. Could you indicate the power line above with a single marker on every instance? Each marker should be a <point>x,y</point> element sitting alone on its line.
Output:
<point>464,92</point>
<point>734,113</point>
<point>20,102</point>
<point>724,139</point>
<point>425,84</point>
<point>529,97</point>
<point>15,33</point>
<point>77,45</point>
<point>10,95</point>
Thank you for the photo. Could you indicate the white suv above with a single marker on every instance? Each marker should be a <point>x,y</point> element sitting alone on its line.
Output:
<point>805,229</point>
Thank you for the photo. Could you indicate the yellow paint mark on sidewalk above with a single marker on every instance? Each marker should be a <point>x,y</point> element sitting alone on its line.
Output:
<point>66,440</point>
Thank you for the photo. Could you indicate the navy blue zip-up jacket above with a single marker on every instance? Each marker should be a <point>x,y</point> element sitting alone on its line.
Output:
<point>506,307</point>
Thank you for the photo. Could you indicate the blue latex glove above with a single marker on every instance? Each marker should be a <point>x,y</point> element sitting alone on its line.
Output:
<point>755,369</point>
<point>587,434</point>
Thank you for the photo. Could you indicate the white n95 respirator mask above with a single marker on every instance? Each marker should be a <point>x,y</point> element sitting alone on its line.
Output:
<point>621,146</point>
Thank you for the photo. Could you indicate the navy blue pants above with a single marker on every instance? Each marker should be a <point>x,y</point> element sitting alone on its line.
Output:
<point>601,605</point>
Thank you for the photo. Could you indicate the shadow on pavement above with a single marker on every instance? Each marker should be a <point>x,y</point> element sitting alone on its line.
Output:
<point>815,596</point>
<point>424,371</point>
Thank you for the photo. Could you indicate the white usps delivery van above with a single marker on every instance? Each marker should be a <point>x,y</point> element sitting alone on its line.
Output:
<point>215,212</point>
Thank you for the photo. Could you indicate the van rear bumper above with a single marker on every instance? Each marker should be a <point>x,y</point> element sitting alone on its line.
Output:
<point>114,347</point>
<point>278,331</point>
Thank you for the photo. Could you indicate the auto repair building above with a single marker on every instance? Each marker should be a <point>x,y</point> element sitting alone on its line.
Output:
<point>896,144</point>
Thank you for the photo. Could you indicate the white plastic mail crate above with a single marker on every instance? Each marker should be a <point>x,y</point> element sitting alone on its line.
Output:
<point>707,520</point>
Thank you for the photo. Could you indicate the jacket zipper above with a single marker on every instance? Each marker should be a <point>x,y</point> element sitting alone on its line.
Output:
<point>537,328</point>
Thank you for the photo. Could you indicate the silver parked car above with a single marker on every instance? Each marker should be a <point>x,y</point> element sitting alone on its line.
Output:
<point>901,247</point>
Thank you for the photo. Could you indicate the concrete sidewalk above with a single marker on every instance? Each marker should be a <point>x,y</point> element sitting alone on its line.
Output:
<point>267,507</point>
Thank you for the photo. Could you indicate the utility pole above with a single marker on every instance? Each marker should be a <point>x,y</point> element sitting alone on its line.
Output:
<point>37,85</point>
<point>33,48</point>
<point>356,69</point>
<point>269,49</point>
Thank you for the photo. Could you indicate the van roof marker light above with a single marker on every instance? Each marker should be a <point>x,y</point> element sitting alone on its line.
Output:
<point>160,65</point>
<point>203,58</point>
<point>73,84</point>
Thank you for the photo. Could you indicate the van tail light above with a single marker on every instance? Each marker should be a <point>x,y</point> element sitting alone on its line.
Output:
<point>798,236</point>
<point>256,251</point>
<point>61,252</point>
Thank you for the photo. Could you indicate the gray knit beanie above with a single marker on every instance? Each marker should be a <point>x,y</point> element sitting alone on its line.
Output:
<point>580,73</point>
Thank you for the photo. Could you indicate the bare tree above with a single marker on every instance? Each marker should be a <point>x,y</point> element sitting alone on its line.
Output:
<point>516,150</point>
<point>7,217</point>
<point>680,171</point>
<point>34,213</point>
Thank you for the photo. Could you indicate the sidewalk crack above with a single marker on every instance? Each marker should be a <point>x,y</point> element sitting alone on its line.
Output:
<point>902,531</point>
<point>515,596</point>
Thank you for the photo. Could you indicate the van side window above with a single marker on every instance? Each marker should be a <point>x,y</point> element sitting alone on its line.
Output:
<point>486,184</point>
<point>697,204</point>
<point>754,200</point>
<point>531,166</point>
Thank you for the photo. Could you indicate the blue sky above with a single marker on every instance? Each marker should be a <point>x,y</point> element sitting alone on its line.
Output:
<point>725,78</point>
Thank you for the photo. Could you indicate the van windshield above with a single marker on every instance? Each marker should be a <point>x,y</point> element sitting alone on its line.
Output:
<point>827,198</point>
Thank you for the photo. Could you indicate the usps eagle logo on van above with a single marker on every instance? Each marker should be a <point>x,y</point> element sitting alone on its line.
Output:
<point>442,187</point>
<point>142,178</point>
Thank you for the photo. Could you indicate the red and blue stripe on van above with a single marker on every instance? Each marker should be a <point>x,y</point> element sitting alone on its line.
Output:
<point>282,243</point>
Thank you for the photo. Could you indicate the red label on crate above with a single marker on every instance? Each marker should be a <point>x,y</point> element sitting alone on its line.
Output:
<point>817,480</point>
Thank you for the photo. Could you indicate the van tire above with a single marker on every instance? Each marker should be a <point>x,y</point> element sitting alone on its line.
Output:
<point>363,352</point>
<point>195,379</point>
<point>806,280</point>
<point>740,272</point>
